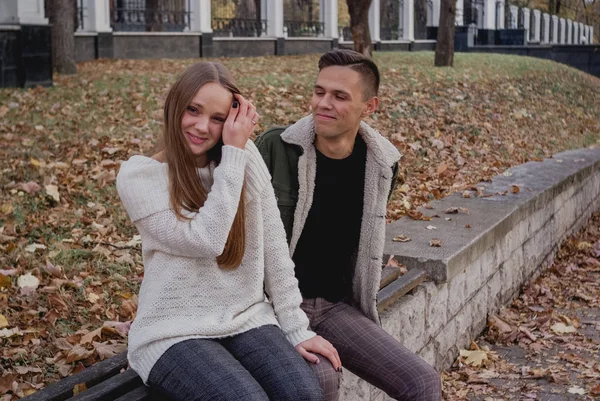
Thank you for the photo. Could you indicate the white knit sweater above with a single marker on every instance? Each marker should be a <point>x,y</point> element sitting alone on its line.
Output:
<point>184,293</point>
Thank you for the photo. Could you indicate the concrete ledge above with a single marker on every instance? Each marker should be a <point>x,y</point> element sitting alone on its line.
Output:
<point>511,238</point>
<point>489,217</point>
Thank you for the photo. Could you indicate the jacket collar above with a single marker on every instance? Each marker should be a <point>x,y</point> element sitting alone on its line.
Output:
<point>302,133</point>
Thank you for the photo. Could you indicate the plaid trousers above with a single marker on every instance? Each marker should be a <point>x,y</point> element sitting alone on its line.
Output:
<point>257,365</point>
<point>370,353</point>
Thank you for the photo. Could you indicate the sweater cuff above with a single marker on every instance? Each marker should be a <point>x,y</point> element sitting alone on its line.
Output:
<point>231,155</point>
<point>298,336</point>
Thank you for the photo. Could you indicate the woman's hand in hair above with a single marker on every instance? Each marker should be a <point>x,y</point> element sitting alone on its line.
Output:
<point>240,122</point>
<point>319,345</point>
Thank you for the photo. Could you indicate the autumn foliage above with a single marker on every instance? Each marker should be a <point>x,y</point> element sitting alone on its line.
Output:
<point>70,261</point>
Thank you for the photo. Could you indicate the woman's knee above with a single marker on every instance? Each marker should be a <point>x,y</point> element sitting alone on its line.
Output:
<point>424,385</point>
<point>329,379</point>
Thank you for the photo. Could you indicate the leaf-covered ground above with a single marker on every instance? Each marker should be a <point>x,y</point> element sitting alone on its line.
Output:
<point>70,262</point>
<point>546,344</point>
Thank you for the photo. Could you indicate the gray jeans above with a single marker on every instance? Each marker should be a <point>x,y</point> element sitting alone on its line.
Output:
<point>259,364</point>
<point>369,352</point>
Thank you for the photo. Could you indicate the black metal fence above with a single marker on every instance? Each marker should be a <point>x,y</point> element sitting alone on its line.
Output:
<point>473,13</point>
<point>79,16</point>
<point>155,15</point>
<point>238,18</point>
<point>391,25</point>
<point>302,18</point>
<point>304,28</point>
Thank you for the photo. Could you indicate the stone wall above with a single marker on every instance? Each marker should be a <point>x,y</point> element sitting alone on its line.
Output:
<point>583,57</point>
<point>504,241</point>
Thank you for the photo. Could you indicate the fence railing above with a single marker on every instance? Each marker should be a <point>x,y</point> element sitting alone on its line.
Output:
<point>304,28</point>
<point>133,15</point>
<point>239,27</point>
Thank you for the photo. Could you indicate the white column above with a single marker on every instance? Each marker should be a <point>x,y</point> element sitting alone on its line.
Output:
<point>437,5</point>
<point>554,29</point>
<point>546,31</point>
<point>489,14</point>
<point>329,16</point>
<point>514,17</point>
<point>500,10</point>
<point>96,16</point>
<point>408,20</point>
<point>22,12</point>
<point>591,30</point>
<point>537,25</point>
<point>200,19</point>
<point>582,33</point>
<point>274,18</point>
<point>575,33</point>
<point>562,28</point>
<point>459,12</point>
<point>375,21</point>
<point>569,32</point>
<point>526,22</point>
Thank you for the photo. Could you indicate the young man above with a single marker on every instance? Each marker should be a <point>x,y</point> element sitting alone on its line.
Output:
<point>332,175</point>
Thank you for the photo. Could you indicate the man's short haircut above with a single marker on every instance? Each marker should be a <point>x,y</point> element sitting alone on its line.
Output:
<point>358,62</point>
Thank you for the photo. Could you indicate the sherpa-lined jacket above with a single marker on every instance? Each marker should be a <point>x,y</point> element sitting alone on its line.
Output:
<point>292,161</point>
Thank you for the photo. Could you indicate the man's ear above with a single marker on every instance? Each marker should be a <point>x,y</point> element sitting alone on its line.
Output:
<point>370,106</point>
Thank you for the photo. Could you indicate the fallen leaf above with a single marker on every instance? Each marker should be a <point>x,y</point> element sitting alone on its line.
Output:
<point>106,350</point>
<point>3,321</point>
<point>515,189</point>
<point>79,388</point>
<point>561,328</point>
<point>30,187</point>
<point>31,248</point>
<point>23,370</point>
<point>56,271</point>
<point>52,190</point>
<point>78,353</point>
<point>401,238</point>
<point>473,358</point>
<point>431,227</point>
<point>89,337</point>
<point>93,297</point>
<point>576,390</point>
<point>5,281</point>
<point>435,243</point>
<point>28,283</point>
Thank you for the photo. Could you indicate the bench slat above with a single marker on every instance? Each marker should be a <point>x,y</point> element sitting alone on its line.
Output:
<point>112,388</point>
<point>141,393</point>
<point>91,376</point>
<point>399,287</point>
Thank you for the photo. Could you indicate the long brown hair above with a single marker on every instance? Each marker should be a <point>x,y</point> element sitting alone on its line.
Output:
<point>186,189</point>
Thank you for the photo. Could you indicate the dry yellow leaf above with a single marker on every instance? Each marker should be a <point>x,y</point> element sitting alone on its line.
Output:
<point>3,321</point>
<point>473,358</point>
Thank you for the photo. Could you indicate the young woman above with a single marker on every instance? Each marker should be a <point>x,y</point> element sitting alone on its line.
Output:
<point>219,309</point>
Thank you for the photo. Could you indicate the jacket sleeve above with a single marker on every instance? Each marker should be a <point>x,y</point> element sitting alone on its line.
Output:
<point>264,144</point>
<point>281,284</point>
<point>206,233</point>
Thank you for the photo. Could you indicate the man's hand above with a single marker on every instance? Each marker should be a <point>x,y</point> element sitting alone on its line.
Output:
<point>319,345</point>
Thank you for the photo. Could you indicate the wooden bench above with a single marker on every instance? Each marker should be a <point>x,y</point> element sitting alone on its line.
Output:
<point>112,380</point>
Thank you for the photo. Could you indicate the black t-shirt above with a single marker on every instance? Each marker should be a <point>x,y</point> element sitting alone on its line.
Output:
<point>326,252</point>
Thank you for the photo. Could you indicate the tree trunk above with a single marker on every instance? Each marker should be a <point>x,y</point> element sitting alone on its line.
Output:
<point>61,15</point>
<point>444,48</point>
<point>153,19</point>
<point>359,24</point>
